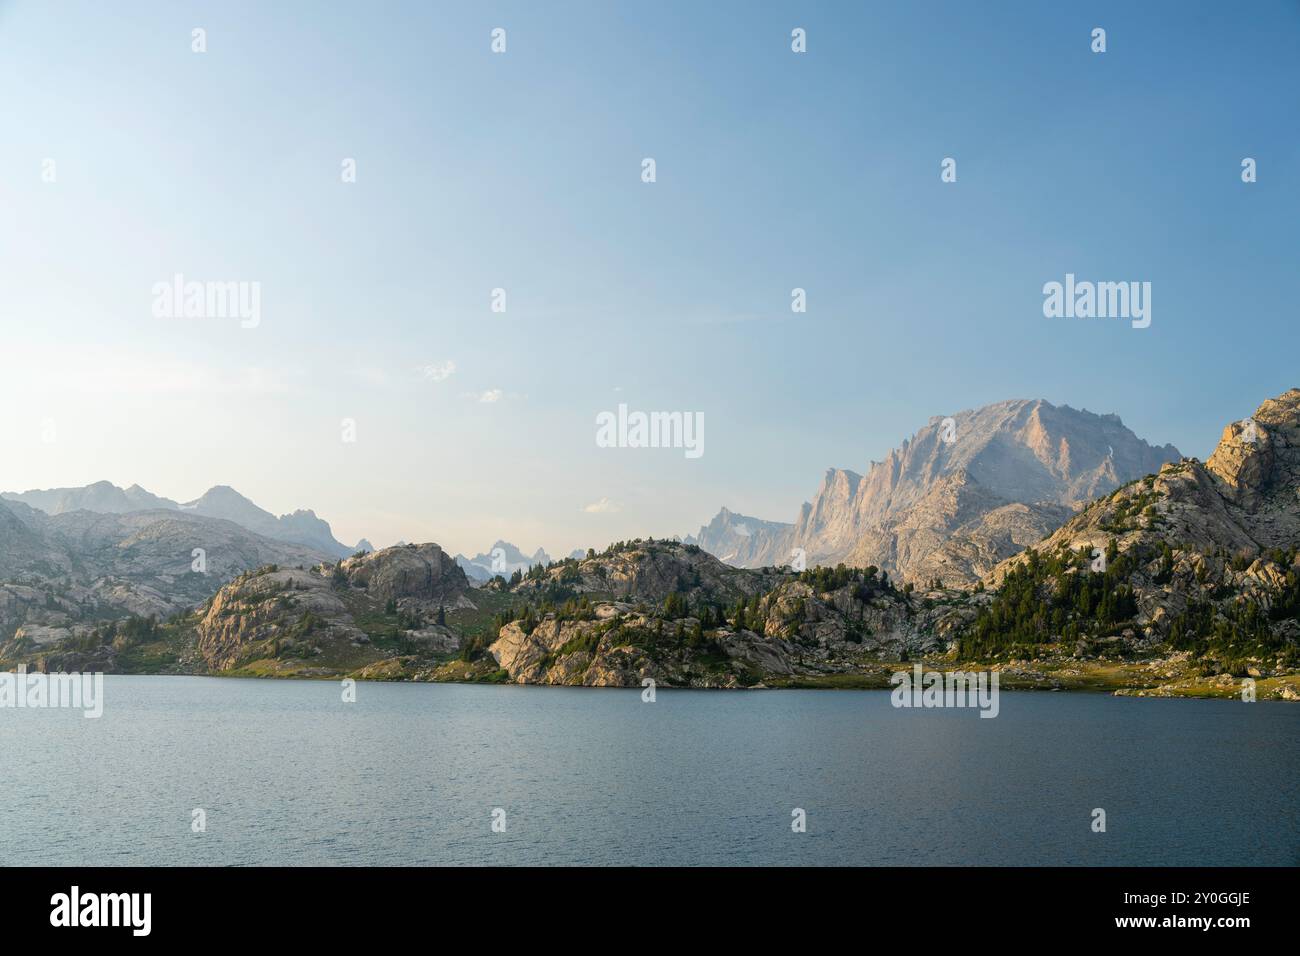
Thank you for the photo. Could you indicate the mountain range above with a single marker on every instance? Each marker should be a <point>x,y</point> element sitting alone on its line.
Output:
<point>1181,581</point>
<point>301,527</point>
<point>57,571</point>
<point>504,559</point>
<point>960,495</point>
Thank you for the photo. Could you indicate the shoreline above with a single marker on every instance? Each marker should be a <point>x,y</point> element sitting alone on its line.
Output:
<point>1101,679</point>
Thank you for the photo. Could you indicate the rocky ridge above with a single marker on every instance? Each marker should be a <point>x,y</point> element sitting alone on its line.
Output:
<point>1199,558</point>
<point>960,495</point>
<point>783,627</point>
<point>1185,581</point>
<point>302,527</point>
<point>61,574</point>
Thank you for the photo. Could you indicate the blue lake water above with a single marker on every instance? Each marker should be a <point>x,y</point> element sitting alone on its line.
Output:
<point>411,773</point>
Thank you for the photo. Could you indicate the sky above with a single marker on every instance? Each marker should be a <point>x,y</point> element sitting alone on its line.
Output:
<point>127,158</point>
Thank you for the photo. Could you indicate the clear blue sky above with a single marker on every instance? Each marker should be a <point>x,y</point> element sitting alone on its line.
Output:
<point>522,171</point>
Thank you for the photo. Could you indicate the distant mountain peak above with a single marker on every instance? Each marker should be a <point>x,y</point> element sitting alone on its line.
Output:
<point>301,527</point>
<point>940,498</point>
<point>1242,500</point>
<point>503,558</point>
<point>225,493</point>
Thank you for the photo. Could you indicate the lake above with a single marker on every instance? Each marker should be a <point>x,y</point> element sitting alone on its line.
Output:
<point>287,773</point>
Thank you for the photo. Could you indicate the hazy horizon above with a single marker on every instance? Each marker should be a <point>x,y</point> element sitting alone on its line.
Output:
<point>471,550</point>
<point>129,159</point>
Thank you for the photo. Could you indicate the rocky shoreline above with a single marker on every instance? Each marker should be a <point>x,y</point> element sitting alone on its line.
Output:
<point>1184,583</point>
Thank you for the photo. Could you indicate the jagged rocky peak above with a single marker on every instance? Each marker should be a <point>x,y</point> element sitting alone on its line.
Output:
<point>504,559</point>
<point>1022,450</point>
<point>1259,456</point>
<point>742,540</point>
<point>1243,501</point>
<point>964,492</point>
<point>1199,559</point>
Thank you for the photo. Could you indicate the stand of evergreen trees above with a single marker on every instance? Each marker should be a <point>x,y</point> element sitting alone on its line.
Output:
<point>1059,598</point>
<point>1051,598</point>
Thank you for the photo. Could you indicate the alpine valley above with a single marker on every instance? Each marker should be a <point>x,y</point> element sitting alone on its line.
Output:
<point>1051,544</point>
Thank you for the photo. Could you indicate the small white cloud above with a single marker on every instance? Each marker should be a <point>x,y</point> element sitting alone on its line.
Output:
<point>438,371</point>
<point>492,396</point>
<point>602,507</point>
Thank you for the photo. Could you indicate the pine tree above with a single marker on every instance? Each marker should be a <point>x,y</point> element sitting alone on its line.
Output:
<point>697,634</point>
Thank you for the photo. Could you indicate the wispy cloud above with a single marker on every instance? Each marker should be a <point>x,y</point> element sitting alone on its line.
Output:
<point>602,507</point>
<point>438,371</point>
